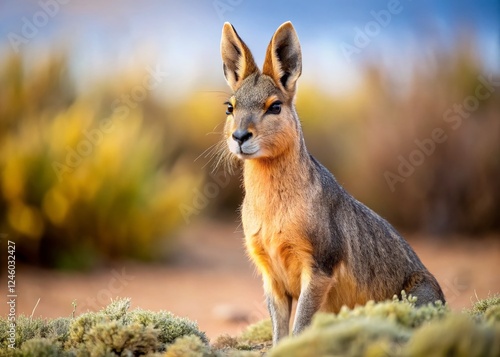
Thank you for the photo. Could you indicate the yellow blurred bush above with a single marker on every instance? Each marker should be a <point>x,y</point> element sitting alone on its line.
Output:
<point>78,186</point>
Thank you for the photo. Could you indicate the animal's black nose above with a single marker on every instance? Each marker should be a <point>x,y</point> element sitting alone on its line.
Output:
<point>241,136</point>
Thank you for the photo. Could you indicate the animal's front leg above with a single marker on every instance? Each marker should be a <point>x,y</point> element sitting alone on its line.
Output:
<point>279,305</point>
<point>310,299</point>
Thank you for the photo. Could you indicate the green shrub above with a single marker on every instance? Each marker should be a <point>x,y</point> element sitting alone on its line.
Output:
<point>112,331</point>
<point>155,327</point>
<point>481,306</point>
<point>492,314</point>
<point>193,346</point>
<point>401,312</point>
<point>353,337</point>
<point>27,328</point>
<point>259,332</point>
<point>398,328</point>
<point>116,338</point>
<point>386,329</point>
<point>457,336</point>
<point>225,341</point>
<point>188,346</point>
<point>170,327</point>
<point>40,347</point>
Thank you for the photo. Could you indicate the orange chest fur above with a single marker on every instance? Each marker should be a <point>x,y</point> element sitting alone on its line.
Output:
<point>279,248</point>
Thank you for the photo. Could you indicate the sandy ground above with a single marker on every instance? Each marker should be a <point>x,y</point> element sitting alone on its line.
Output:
<point>212,281</point>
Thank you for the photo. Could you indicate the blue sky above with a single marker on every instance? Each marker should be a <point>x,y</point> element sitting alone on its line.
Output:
<point>184,35</point>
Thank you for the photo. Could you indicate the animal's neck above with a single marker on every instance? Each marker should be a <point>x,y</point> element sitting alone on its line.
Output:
<point>270,181</point>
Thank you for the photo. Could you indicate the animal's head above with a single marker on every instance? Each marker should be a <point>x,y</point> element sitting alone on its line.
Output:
<point>261,118</point>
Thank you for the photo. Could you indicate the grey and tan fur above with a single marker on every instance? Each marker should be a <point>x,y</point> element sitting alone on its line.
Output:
<point>309,238</point>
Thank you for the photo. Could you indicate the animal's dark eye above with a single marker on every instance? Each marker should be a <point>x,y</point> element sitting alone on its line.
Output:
<point>229,109</point>
<point>274,108</point>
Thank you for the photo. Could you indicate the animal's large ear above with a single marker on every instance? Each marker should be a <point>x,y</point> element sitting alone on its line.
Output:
<point>238,62</point>
<point>283,58</point>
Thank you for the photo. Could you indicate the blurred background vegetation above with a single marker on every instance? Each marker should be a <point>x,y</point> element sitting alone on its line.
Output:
<point>83,183</point>
<point>73,193</point>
